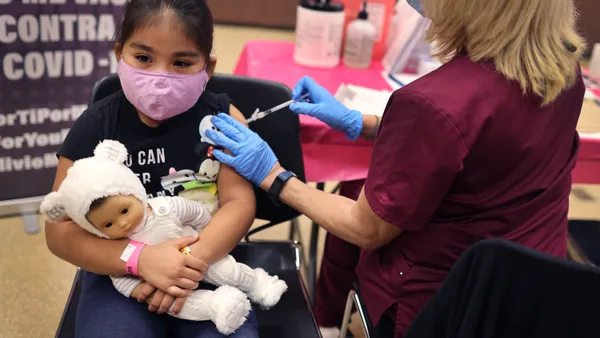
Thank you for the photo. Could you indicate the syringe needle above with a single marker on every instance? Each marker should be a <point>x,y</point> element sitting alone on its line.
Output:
<point>253,117</point>
<point>257,115</point>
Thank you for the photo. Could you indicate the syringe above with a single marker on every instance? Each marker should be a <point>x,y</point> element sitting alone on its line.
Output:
<point>257,115</point>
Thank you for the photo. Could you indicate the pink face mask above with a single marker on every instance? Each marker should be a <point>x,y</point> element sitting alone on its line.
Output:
<point>158,95</point>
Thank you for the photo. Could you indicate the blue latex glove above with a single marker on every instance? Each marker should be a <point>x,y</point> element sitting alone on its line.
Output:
<point>326,108</point>
<point>251,156</point>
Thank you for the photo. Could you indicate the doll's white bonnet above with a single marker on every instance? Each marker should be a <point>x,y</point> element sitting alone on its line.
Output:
<point>89,179</point>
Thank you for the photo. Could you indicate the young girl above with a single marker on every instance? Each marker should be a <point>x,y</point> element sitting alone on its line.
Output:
<point>108,200</point>
<point>163,48</point>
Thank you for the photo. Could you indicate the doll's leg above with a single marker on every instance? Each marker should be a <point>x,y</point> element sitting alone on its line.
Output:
<point>227,307</point>
<point>261,288</point>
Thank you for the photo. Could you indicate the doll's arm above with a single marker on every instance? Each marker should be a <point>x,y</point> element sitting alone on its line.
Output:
<point>125,284</point>
<point>190,213</point>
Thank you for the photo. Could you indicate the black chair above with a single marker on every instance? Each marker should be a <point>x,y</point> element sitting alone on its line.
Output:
<point>584,236</point>
<point>354,301</point>
<point>503,289</point>
<point>293,316</point>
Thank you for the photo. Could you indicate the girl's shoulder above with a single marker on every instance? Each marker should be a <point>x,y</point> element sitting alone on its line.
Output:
<point>211,102</point>
<point>98,122</point>
<point>110,105</point>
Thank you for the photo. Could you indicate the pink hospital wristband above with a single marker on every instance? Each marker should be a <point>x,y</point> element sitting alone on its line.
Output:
<point>131,256</point>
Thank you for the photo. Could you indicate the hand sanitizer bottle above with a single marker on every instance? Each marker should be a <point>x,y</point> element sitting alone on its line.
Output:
<point>360,39</point>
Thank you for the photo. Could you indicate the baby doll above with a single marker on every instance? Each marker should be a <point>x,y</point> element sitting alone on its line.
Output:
<point>107,199</point>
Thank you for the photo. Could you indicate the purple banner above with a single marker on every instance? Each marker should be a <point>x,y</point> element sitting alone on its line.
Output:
<point>51,53</point>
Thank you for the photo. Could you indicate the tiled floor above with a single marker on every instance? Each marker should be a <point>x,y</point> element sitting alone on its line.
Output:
<point>34,284</point>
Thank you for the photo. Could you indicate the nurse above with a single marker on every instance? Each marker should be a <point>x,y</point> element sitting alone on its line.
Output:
<point>482,147</point>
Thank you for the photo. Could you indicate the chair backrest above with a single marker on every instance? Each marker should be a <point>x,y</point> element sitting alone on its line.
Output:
<point>510,290</point>
<point>104,88</point>
<point>280,130</point>
<point>584,236</point>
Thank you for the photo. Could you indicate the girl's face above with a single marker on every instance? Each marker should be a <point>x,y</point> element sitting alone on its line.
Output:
<point>163,47</point>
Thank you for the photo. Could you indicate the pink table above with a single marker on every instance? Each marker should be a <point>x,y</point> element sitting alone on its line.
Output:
<point>328,154</point>
<point>587,170</point>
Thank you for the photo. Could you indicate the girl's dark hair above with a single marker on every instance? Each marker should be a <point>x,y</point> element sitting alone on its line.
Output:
<point>194,15</point>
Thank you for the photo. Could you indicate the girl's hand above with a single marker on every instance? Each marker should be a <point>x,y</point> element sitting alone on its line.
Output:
<point>161,303</point>
<point>143,292</point>
<point>158,301</point>
<point>166,268</point>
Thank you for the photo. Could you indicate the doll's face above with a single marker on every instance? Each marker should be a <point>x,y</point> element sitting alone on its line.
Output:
<point>117,215</point>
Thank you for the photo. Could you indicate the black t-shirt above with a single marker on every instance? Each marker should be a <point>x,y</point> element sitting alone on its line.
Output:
<point>152,151</point>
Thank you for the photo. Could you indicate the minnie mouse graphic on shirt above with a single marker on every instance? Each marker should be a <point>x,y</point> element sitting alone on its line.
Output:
<point>200,184</point>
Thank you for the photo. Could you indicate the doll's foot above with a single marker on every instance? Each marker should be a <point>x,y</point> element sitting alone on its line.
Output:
<point>266,290</point>
<point>229,309</point>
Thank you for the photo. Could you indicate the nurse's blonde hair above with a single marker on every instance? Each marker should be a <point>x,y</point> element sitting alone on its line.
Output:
<point>530,41</point>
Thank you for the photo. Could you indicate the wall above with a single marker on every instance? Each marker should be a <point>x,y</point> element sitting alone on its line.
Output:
<point>589,20</point>
<point>265,13</point>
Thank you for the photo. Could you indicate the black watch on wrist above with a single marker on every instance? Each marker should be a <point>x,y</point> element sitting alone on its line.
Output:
<point>278,185</point>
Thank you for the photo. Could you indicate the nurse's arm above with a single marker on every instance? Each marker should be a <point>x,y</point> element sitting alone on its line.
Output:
<point>370,126</point>
<point>232,221</point>
<point>353,221</point>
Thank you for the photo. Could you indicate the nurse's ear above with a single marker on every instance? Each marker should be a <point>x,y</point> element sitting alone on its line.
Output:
<point>118,49</point>
<point>212,64</point>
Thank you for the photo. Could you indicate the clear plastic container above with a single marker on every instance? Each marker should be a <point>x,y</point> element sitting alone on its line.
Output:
<point>380,14</point>
<point>360,39</point>
<point>319,34</point>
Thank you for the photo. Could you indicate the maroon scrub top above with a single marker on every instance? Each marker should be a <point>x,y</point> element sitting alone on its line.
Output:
<point>463,155</point>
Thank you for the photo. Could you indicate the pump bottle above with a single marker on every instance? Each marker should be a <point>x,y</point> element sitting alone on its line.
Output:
<point>360,38</point>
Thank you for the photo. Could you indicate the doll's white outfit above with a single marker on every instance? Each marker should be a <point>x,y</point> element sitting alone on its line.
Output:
<point>175,217</point>
<point>106,175</point>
